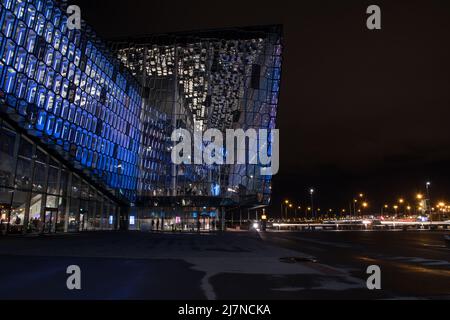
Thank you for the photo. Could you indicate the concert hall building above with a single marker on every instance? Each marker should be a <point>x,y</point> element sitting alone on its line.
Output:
<point>85,124</point>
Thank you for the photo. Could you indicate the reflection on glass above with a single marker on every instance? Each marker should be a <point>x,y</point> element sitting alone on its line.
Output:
<point>61,219</point>
<point>52,186</point>
<point>5,206</point>
<point>39,176</point>
<point>7,139</point>
<point>74,215</point>
<point>23,173</point>
<point>18,212</point>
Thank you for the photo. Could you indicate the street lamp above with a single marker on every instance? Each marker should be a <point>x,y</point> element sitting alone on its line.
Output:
<point>311,192</point>
<point>286,202</point>
<point>299,208</point>
<point>428,200</point>
<point>364,205</point>
<point>355,201</point>
<point>384,207</point>
<point>395,208</point>
<point>281,209</point>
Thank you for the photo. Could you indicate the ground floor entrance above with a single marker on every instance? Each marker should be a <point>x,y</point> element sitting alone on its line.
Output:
<point>40,195</point>
<point>176,219</point>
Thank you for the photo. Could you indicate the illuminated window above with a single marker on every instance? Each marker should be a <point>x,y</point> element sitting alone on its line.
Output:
<point>31,41</point>
<point>31,91</point>
<point>31,66</point>
<point>21,86</point>
<point>19,8</point>
<point>30,16</point>
<point>8,53</point>
<point>20,33</point>
<point>20,60</point>
<point>8,25</point>
<point>9,80</point>
<point>40,25</point>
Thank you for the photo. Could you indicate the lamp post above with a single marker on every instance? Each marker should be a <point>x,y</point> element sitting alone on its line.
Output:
<point>286,202</point>
<point>419,197</point>
<point>428,201</point>
<point>355,201</point>
<point>281,209</point>
<point>311,192</point>
<point>401,201</point>
<point>299,208</point>
<point>364,206</point>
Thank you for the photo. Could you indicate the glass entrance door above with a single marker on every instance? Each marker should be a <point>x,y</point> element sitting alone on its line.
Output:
<point>50,220</point>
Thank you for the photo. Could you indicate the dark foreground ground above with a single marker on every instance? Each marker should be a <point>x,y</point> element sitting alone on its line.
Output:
<point>131,265</point>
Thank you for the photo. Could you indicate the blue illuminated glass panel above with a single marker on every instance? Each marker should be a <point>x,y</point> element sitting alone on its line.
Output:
<point>68,89</point>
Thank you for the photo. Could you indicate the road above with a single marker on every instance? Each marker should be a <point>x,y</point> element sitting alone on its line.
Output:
<point>413,264</point>
<point>235,265</point>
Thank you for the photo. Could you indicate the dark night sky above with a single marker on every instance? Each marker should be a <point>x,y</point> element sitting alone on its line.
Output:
<point>359,110</point>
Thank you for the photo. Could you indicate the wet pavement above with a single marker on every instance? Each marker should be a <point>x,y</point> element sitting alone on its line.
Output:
<point>239,265</point>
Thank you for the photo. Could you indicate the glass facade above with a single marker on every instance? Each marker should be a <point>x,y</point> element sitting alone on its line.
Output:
<point>86,128</point>
<point>62,86</point>
<point>219,79</point>
<point>38,193</point>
